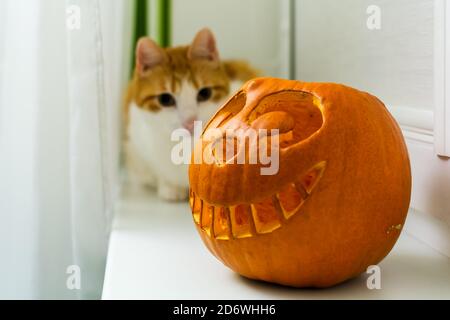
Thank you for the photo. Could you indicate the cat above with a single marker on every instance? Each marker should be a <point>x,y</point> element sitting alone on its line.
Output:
<point>171,88</point>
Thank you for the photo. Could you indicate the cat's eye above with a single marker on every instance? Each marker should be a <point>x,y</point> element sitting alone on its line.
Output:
<point>204,94</point>
<point>166,100</point>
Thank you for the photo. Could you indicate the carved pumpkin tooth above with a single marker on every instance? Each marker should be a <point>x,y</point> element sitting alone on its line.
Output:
<point>207,216</point>
<point>221,223</point>
<point>241,221</point>
<point>191,198</point>
<point>196,208</point>
<point>265,216</point>
<point>290,200</point>
<point>310,180</point>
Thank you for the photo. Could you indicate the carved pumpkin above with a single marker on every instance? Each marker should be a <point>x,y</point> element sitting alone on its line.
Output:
<point>337,202</point>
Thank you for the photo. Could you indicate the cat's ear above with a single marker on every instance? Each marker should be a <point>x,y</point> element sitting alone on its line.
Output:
<point>148,55</point>
<point>204,46</point>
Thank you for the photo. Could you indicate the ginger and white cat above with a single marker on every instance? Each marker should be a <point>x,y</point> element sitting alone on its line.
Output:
<point>171,88</point>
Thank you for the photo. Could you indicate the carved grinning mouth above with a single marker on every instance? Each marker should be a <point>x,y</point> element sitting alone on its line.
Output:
<point>248,220</point>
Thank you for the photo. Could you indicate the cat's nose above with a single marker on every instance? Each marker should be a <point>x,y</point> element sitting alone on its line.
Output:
<point>190,124</point>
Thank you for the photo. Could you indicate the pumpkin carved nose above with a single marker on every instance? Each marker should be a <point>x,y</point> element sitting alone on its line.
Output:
<point>275,120</point>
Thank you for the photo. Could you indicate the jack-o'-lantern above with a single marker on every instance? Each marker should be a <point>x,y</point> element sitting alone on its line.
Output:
<point>337,202</point>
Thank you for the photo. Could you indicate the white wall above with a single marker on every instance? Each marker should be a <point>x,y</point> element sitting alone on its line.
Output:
<point>395,63</point>
<point>245,29</point>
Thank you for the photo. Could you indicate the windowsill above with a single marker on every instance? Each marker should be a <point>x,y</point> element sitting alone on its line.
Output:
<point>155,253</point>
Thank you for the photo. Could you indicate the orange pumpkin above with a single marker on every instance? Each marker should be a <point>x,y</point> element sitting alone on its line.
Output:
<point>336,204</point>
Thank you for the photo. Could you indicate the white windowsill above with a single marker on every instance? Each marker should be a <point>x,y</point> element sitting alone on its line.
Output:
<point>155,253</point>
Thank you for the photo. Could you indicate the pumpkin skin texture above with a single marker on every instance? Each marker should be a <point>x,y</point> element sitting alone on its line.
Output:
<point>338,201</point>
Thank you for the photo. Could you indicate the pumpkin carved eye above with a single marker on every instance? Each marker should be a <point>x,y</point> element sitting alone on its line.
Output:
<point>295,114</point>
<point>227,112</point>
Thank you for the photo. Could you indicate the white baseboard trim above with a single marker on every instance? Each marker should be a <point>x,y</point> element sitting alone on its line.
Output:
<point>429,230</point>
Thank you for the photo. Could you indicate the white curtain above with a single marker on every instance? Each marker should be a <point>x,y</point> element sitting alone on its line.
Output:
<point>60,96</point>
